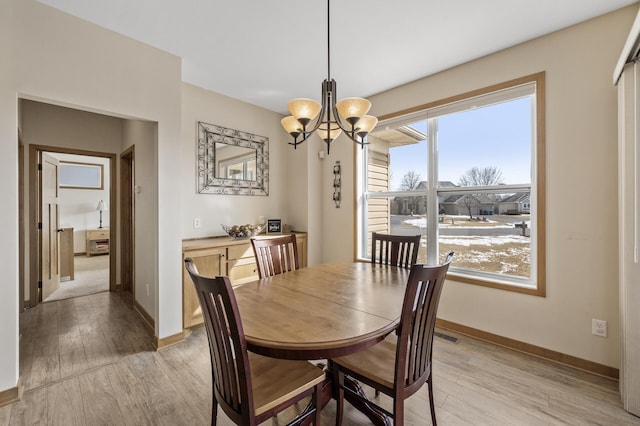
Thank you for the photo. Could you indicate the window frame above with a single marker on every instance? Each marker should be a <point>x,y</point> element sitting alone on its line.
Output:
<point>536,187</point>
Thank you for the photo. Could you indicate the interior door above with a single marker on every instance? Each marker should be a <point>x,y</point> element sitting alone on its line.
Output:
<point>49,240</point>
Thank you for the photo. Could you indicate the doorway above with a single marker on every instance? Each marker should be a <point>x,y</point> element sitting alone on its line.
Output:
<point>84,234</point>
<point>88,236</point>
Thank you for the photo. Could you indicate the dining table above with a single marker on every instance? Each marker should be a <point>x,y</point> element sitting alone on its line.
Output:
<point>323,311</point>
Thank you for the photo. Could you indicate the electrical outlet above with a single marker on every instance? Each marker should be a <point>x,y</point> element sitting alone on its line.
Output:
<point>599,327</point>
<point>196,223</point>
<point>147,285</point>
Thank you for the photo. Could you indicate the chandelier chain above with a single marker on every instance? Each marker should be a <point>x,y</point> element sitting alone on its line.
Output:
<point>329,40</point>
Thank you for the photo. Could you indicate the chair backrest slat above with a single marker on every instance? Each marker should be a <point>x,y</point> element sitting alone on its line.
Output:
<point>417,324</point>
<point>276,255</point>
<point>227,345</point>
<point>396,250</point>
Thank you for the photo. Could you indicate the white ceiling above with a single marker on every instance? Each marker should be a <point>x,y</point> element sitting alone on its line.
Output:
<point>266,52</point>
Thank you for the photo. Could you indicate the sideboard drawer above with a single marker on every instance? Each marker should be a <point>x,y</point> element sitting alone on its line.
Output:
<point>240,251</point>
<point>242,271</point>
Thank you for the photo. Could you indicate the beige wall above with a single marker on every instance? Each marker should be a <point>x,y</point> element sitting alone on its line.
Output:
<point>143,135</point>
<point>213,209</point>
<point>60,59</point>
<point>297,186</point>
<point>8,214</point>
<point>581,177</point>
<point>337,222</point>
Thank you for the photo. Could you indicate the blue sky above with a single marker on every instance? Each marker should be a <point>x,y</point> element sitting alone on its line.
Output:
<point>497,135</point>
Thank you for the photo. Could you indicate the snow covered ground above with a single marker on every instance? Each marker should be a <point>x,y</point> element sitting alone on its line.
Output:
<point>491,244</point>
<point>463,222</point>
<point>483,241</point>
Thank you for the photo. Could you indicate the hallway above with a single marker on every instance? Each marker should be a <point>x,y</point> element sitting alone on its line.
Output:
<point>91,276</point>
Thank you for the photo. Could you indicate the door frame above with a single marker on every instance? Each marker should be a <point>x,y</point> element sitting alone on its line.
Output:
<point>21,225</point>
<point>127,226</point>
<point>34,205</point>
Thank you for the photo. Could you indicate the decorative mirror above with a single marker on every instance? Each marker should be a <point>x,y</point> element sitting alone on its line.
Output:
<point>231,161</point>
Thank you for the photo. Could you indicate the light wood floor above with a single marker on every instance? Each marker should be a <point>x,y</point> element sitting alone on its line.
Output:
<point>89,361</point>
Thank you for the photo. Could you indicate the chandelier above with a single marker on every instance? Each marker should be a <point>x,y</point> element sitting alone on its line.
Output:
<point>330,117</point>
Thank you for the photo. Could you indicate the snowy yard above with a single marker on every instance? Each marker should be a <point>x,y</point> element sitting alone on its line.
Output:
<point>490,243</point>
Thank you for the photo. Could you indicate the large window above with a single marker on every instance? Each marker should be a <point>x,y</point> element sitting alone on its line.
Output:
<point>466,173</point>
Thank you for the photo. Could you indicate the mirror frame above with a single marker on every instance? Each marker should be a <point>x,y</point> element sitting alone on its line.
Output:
<point>208,183</point>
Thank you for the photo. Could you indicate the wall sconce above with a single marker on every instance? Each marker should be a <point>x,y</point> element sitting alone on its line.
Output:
<point>102,207</point>
<point>337,183</point>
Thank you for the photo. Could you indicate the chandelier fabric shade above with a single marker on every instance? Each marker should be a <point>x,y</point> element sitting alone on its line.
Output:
<point>328,118</point>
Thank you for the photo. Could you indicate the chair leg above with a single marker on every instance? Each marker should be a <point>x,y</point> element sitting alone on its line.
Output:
<point>214,412</point>
<point>316,404</point>
<point>431,403</point>
<point>398,410</point>
<point>338,377</point>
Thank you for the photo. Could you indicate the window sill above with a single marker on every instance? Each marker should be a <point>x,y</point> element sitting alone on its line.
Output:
<point>516,288</point>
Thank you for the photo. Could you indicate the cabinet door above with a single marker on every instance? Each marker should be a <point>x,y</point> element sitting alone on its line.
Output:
<point>210,263</point>
<point>301,241</point>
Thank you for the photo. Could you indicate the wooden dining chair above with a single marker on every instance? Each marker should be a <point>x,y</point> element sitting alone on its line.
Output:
<point>249,387</point>
<point>275,255</point>
<point>396,250</point>
<point>399,365</point>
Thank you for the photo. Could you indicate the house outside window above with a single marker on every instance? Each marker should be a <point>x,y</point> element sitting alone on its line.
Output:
<point>466,173</point>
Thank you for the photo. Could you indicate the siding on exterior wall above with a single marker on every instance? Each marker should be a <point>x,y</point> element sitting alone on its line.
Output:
<point>378,209</point>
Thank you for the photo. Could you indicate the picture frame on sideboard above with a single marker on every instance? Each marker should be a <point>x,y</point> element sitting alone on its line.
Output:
<point>274,226</point>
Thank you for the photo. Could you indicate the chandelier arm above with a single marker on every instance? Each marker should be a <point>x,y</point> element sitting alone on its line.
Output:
<point>305,135</point>
<point>295,142</point>
<point>314,127</point>
<point>362,142</point>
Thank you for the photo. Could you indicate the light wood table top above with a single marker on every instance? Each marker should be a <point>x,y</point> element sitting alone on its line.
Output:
<point>322,311</point>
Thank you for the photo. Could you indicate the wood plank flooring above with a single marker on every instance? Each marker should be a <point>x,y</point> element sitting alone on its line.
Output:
<point>89,361</point>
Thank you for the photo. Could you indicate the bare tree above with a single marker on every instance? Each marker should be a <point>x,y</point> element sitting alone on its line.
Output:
<point>410,181</point>
<point>481,176</point>
<point>469,201</point>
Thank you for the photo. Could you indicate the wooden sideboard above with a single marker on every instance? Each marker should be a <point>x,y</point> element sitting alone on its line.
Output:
<point>222,256</point>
